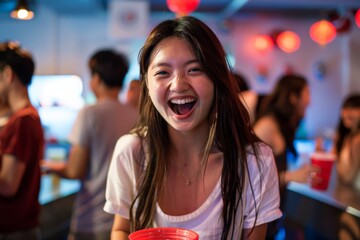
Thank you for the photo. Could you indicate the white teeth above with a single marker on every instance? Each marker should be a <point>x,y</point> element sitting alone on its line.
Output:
<point>182,101</point>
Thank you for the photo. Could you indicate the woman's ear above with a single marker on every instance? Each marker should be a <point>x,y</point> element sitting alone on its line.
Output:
<point>8,74</point>
<point>95,81</point>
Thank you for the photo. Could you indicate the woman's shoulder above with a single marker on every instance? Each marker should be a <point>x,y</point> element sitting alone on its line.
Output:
<point>356,137</point>
<point>262,152</point>
<point>129,139</point>
<point>263,148</point>
<point>129,152</point>
<point>261,160</point>
<point>128,143</point>
<point>355,141</point>
<point>267,121</point>
<point>266,126</point>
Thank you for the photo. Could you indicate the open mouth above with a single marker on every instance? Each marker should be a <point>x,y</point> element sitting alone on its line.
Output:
<point>182,106</point>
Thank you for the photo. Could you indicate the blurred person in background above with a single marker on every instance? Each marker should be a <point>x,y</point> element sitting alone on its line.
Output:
<point>93,138</point>
<point>347,142</point>
<point>21,148</point>
<point>133,93</point>
<point>246,95</point>
<point>280,115</point>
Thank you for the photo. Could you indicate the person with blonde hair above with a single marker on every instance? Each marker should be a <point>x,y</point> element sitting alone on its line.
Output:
<point>133,93</point>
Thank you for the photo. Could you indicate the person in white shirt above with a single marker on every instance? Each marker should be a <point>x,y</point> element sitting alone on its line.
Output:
<point>193,161</point>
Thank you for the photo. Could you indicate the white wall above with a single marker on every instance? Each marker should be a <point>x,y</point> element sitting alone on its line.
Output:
<point>38,35</point>
<point>63,44</point>
<point>354,60</point>
<point>339,58</point>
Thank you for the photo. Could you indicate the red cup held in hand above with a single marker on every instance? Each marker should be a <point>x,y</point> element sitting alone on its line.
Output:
<point>164,233</point>
<point>324,162</point>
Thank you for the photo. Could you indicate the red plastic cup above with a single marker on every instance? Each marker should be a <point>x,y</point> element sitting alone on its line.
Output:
<point>324,162</point>
<point>164,233</point>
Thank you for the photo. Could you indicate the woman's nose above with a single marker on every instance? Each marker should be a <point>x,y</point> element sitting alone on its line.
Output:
<point>179,83</point>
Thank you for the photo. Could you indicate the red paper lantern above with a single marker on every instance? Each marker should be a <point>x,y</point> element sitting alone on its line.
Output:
<point>263,43</point>
<point>323,32</point>
<point>182,7</point>
<point>342,23</point>
<point>357,18</point>
<point>288,41</point>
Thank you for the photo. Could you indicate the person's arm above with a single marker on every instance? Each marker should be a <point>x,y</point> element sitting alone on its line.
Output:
<point>74,168</point>
<point>348,168</point>
<point>258,233</point>
<point>120,229</point>
<point>300,175</point>
<point>355,151</point>
<point>11,173</point>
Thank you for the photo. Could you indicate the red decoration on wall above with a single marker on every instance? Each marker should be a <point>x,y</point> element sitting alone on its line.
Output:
<point>263,43</point>
<point>323,32</point>
<point>357,17</point>
<point>341,21</point>
<point>182,7</point>
<point>288,41</point>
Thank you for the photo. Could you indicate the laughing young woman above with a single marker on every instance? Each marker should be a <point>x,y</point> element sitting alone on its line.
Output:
<point>193,161</point>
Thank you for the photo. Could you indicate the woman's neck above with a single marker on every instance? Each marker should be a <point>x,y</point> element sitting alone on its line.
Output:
<point>188,145</point>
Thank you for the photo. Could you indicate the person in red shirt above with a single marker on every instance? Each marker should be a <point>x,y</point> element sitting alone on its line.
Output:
<point>21,147</point>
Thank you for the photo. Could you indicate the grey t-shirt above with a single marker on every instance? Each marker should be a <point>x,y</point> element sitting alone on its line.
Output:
<point>97,128</point>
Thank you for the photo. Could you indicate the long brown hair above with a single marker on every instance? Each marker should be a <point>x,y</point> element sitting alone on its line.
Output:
<point>351,102</point>
<point>279,105</point>
<point>230,131</point>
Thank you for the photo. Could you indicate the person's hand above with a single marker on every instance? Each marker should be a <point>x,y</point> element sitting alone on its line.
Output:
<point>302,174</point>
<point>48,166</point>
<point>45,169</point>
<point>319,145</point>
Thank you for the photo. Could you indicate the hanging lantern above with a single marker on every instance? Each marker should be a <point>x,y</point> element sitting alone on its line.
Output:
<point>263,43</point>
<point>182,7</point>
<point>341,22</point>
<point>288,41</point>
<point>357,17</point>
<point>323,32</point>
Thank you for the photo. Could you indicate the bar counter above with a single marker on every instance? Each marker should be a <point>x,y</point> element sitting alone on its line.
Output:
<point>56,199</point>
<point>330,214</point>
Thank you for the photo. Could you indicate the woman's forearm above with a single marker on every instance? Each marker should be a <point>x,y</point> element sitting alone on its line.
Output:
<point>119,235</point>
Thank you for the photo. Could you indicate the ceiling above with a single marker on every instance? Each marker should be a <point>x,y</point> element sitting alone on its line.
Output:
<point>220,8</point>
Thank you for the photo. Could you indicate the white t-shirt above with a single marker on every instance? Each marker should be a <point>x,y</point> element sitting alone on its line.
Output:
<point>125,171</point>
